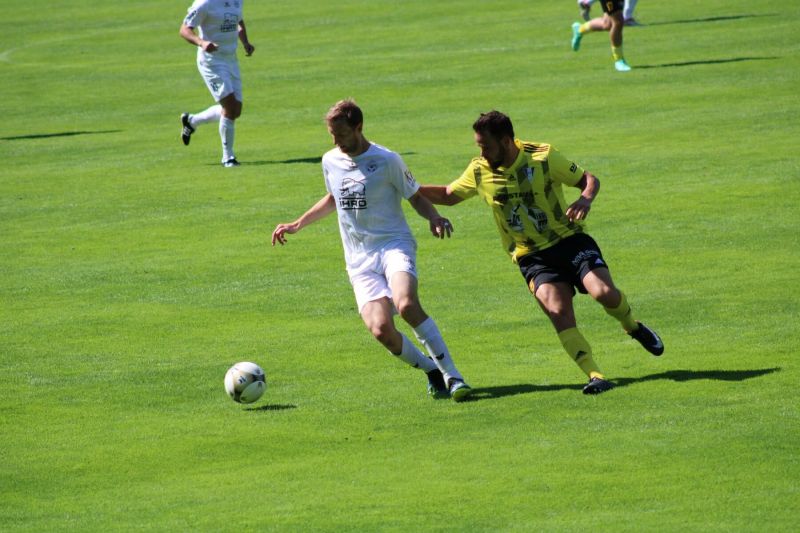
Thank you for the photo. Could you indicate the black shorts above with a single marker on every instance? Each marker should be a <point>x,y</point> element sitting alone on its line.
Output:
<point>612,6</point>
<point>568,262</point>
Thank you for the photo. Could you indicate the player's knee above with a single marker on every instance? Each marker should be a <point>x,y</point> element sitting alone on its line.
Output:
<point>232,111</point>
<point>607,295</point>
<point>383,332</point>
<point>408,309</point>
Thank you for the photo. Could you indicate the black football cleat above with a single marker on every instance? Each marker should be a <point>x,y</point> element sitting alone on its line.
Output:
<point>186,129</point>
<point>597,385</point>
<point>648,338</point>
<point>436,385</point>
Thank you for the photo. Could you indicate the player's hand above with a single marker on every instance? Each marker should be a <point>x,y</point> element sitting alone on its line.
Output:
<point>209,47</point>
<point>579,210</point>
<point>441,227</point>
<point>279,235</point>
<point>249,49</point>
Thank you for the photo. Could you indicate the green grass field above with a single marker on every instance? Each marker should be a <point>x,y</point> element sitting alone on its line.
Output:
<point>135,271</point>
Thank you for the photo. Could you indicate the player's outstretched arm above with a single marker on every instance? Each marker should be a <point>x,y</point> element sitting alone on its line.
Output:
<point>440,226</point>
<point>325,206</point>
<point>439,194</point>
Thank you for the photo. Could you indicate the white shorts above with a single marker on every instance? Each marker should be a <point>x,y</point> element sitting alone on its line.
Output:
<point>222,77</point>
<point>373,284</point>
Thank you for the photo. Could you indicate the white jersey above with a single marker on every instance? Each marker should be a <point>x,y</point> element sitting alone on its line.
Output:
<point>368,190</point>
<point>218,22</point>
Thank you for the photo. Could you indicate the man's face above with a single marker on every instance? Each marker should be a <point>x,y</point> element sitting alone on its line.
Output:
<point>348,139</point>
<point>492,150</point>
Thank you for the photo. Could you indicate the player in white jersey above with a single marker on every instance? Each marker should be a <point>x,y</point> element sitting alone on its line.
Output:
<point>220,25</point>
<point>366,184</point>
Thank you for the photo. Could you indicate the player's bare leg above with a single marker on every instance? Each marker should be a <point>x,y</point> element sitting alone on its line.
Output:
<point>555,299</point>
<point>600,287</point>
<point>406,301</point>
<point>378,317</point>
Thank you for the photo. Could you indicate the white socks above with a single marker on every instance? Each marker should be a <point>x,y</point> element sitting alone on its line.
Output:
<point>226,130</point>
<point>630,5</point>
<point>430,337</point>
<point>411,355</point>
<point>212,114</point>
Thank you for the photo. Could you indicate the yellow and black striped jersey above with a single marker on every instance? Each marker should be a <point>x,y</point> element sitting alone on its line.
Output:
<point>527,199</point>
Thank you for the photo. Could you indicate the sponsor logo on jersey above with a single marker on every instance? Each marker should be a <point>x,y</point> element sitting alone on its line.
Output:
<point>514,221</point>
<point>352,195</point>
<point>231,23</point>
<point>538,217</point>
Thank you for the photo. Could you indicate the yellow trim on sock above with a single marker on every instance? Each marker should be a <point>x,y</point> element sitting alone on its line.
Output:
<point>579,350</point>
<point>616,53</point>
<point>585,28</point>
<point>623,313</point>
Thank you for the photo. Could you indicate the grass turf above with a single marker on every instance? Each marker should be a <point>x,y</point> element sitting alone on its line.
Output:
<point>135,271</point>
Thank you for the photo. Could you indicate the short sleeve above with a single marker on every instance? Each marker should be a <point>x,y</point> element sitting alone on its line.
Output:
<point>402,178</point>
<point>562,169</point>
<point>465,186</point>
<point>196,14</point>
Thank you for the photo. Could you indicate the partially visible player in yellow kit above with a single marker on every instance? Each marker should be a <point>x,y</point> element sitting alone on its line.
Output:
<point>612,22</point>
<point>522,183</point>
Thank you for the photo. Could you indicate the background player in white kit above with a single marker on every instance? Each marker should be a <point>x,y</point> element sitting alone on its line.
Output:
<point>366,183</point>
<point>220,24</point>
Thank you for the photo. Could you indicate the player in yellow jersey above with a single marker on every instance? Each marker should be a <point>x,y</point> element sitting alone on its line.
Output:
<point>523,184</point>
<point>612,21</point>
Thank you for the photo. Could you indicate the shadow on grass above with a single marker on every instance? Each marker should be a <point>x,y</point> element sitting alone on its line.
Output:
<point>710,19</point>
<point>488,393</point>
<point>51,135</point>
<point>272,407</point>
<point>313,160</point>
<point>706,62</point>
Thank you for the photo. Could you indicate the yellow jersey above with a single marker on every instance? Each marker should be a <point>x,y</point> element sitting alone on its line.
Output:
<point>526,198</point>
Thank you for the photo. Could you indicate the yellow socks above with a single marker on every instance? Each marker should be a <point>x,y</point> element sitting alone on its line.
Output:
<point>623,313</point>
<point>616,53</point>
<point>580,351</point>
<point>584,29</point>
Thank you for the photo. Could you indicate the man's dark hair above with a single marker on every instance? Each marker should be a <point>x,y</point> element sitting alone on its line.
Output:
<point>495,123</point>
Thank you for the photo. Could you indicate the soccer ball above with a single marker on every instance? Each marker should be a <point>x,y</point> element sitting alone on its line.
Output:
<point>245,382</point>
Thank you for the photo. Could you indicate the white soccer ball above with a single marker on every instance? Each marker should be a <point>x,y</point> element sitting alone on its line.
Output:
<point>245,382</point>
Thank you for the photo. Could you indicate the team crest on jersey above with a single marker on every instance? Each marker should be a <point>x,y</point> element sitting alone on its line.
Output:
<point>529,173</point>
<point>352,195</point>
<point>372,166</point>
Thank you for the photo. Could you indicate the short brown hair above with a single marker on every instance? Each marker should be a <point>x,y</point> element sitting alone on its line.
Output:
<point>495,123</point>
<point>346,110</point>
